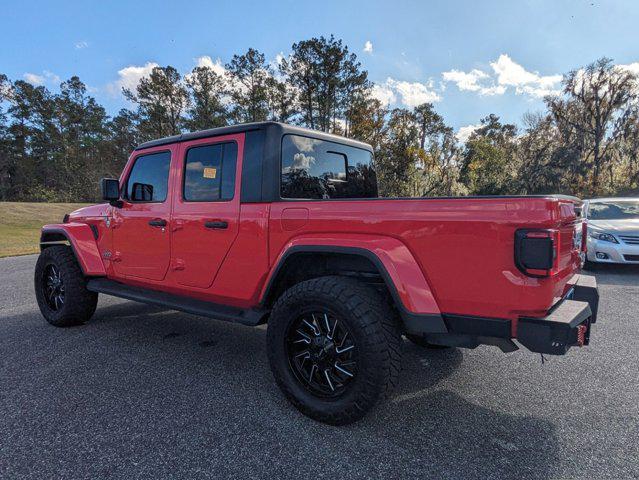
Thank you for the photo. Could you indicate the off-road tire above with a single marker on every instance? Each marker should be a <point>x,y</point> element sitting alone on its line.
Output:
<point>374,326</point>
<point>79,303</point>
<point>417,340</point>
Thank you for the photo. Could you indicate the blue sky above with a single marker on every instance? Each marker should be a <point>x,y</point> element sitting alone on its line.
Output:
<point>471,58</point>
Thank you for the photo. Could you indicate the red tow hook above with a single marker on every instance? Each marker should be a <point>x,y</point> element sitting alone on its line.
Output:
<point>581,335</point>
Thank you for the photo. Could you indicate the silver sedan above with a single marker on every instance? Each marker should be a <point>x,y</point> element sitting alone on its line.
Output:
<point>613,230</point>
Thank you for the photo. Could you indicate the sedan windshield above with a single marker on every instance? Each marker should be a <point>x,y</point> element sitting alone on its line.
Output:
<point>621,210</point>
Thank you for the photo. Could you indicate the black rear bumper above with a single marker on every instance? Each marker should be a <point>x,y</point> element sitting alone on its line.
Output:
<point>566,325</point>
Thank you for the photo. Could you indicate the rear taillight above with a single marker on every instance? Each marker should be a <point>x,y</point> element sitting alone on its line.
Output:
<point>537,252</point>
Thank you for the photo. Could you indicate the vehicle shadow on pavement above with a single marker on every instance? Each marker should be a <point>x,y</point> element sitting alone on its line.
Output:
<point>484,443</point>
<point>198,391</point>
<point>435,425</point>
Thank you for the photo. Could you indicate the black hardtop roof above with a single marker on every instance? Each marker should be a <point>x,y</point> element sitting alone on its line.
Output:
<point>245,127</point>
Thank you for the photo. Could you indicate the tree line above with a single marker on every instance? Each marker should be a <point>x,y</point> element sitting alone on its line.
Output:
<point>54,146</point>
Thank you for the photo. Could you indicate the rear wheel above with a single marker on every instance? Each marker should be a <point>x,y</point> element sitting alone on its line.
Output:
<point>334,348</point>
<point>60,288</point>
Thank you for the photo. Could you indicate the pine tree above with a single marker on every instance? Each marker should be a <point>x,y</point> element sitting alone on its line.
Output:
<point>161,99</point>
<point>206,89</point>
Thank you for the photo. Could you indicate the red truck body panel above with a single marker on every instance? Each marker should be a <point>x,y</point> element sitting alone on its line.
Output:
<point>452,255</point>
<point>83,242</point>
<point>443,255</point>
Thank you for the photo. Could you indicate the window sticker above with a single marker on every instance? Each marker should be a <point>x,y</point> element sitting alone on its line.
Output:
<point>209,172</point>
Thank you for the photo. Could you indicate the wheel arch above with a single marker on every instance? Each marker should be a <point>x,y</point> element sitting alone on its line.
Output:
<point>414,301</point>
<point>81,238</point>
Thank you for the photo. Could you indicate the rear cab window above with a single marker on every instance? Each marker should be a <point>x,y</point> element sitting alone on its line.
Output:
<point>318,169</point>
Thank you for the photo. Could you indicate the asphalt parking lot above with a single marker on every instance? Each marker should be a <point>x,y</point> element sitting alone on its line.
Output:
<point>141,392</point>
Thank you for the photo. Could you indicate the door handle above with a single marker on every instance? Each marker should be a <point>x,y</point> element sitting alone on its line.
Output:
<point>216,224</point>
<point>157,222</point>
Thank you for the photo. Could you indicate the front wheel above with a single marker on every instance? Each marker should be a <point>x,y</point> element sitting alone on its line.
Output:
<point>60,288</point>
<point>334,348</point>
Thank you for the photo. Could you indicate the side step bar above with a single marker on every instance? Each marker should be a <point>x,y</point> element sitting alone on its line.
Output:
<point>176,302</point>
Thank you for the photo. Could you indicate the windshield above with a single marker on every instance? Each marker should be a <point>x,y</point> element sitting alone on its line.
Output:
<point>614,210</point>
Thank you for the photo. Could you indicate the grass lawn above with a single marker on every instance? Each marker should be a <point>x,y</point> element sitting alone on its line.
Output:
<point>20,224</point>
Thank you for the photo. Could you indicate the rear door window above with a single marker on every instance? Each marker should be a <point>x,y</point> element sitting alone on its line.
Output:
<point>209,172</point>
<point>319,169</point>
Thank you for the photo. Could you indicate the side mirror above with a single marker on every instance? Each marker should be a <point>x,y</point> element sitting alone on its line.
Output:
<point>110,189</point>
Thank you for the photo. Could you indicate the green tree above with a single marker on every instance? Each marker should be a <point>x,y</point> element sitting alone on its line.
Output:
<point>368,122</point>
<point>281,100</point>
<point>545,162</point>
<point>249,86</point>
<point>624,175</point>
<point>328,79</point>
<point>429,122</point>
<point>591,113</point>
<point>35,141</point>
<point>123,137</point>
<point>399,158</point>
<point>161,99</point>
<point>206,89</point>
<point>83,133</point>
<point>7,169</point>
<point>489,163</point>
<point>442,158</point>
<point>440,153</point>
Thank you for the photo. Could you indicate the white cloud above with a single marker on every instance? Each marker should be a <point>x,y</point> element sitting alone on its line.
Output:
<point>129,77</point>
<point>368,47</point>
<point>51,77</point>
<point>46,77</point>
<point>410,94</point>
<point>510,73</point>
<point>34,79</point>
<point>464,133</point>
<point>413,93</point>
<point>302,162</point>
<point>384,94</point>
<point>465,81</point>
<point>506,74</point>
<point>473,81</point>
<point>81,45</point>
<point>630,67</point>
<point>217,66</point>
<point>493,90</point>
<point>305,144</point>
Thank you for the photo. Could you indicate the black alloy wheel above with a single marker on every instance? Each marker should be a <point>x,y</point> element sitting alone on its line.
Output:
<point>60,288</point>
<point>334,347</point>
<point>53,287</point>
<point>322,353</point>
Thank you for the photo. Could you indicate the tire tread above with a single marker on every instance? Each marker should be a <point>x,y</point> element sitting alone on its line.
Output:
<point>80,303</point>
<point>381,331</point>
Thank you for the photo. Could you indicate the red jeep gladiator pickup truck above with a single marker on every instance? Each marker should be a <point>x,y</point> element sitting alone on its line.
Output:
<point>267,222</point>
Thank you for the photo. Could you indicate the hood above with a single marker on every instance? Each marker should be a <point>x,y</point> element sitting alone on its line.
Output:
<point>91,211</point>
<point>621,226</point>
